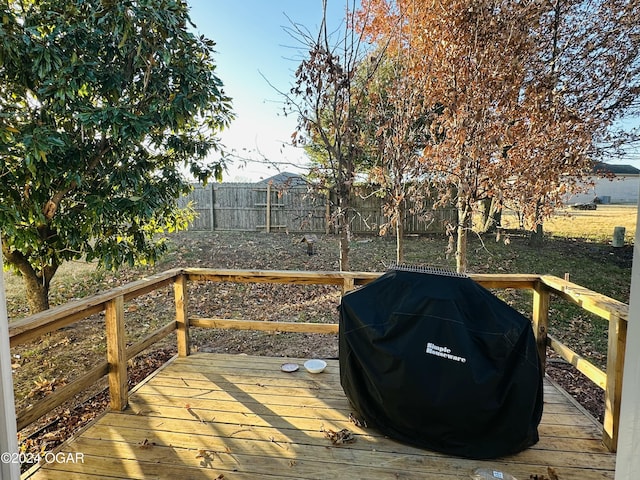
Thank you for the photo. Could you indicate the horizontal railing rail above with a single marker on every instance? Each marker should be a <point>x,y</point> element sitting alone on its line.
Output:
<point>617,314</point>
<point>115,365</point>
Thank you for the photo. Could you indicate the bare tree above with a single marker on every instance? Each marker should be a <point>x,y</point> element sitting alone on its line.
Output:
<point>395,119</point>
<point>325,101</point>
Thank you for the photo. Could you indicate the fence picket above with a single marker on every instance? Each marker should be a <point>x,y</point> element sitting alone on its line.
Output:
<point>244,206</point>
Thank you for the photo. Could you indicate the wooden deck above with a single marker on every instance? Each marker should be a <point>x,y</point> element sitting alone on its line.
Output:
<point>240,417</point>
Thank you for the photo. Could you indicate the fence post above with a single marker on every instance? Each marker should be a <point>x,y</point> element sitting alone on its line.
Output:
<point>116,353</point>
<point>212,215</point>
<point>182,319</point>
<point>327,214</point>
<point>541,320</point>
<point>268,207</point>
<point>613,392</point>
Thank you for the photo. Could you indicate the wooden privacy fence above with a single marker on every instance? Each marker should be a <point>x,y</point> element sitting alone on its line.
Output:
<point>260,206</point>
<point>118,353</point>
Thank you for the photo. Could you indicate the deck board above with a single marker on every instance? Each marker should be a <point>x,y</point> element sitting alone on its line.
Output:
<point>239,417</point>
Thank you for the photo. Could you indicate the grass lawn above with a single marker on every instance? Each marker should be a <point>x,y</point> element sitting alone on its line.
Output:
<point>593,225</point>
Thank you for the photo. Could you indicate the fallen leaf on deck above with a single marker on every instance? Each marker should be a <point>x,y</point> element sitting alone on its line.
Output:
<point>207,458</point>
<point>340,437</point>
<point>357,421</point>
<point>146,444</point>
<point>206,462</point>
<point>552,475</point>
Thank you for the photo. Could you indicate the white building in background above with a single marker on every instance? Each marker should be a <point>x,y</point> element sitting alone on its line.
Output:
<point>621,186</point>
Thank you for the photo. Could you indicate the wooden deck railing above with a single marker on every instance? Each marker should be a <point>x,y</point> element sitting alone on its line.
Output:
<point>115,365</point>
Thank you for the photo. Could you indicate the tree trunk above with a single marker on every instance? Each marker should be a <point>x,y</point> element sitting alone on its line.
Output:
<point>343,188</point>
<point>461,246</point>
<point>36,282</point>
<point>343,226</point>
<point>492,215</point>
<point>37,294</point>
<point>536,239</point>
<point>399,234</point>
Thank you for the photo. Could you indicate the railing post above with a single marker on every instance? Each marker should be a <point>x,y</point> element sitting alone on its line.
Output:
<point>541,320</point>
<point>348,284</point>
<point>613,393</point>
<point>116,353</point>
<point>182,319</point>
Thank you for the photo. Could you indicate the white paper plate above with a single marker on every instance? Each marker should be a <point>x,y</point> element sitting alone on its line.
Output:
<point>289,367</point>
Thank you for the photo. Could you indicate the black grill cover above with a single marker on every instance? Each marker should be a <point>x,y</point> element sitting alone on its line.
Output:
<point>439,362</point>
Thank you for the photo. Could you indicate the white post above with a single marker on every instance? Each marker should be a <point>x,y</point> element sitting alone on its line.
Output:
<point>628,460</point>
<point>9,467</point>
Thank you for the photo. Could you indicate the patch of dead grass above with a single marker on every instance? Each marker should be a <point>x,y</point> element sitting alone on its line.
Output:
<point>595,225</point>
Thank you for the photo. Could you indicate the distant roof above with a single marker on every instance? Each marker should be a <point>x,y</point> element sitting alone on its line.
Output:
<point>616,169</point>
<point>285,178</point>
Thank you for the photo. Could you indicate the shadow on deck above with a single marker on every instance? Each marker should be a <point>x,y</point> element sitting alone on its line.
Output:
<point>231,417</point>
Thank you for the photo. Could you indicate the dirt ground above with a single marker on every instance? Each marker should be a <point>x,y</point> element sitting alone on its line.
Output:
<point>74,349</point>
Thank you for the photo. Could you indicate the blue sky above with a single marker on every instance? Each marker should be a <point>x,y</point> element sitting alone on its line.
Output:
<point>254,50</point>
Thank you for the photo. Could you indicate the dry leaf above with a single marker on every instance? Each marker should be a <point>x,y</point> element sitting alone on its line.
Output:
<point>550,471</point>
<point>357,421</point>
<point>145,444</point>
<point>340,437</point>
<point>207,458</point>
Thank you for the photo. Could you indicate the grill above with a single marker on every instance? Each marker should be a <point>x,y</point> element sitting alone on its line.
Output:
<point>433,359</point>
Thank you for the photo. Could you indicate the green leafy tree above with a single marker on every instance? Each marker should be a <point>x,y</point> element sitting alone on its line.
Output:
<point>106,108</point>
